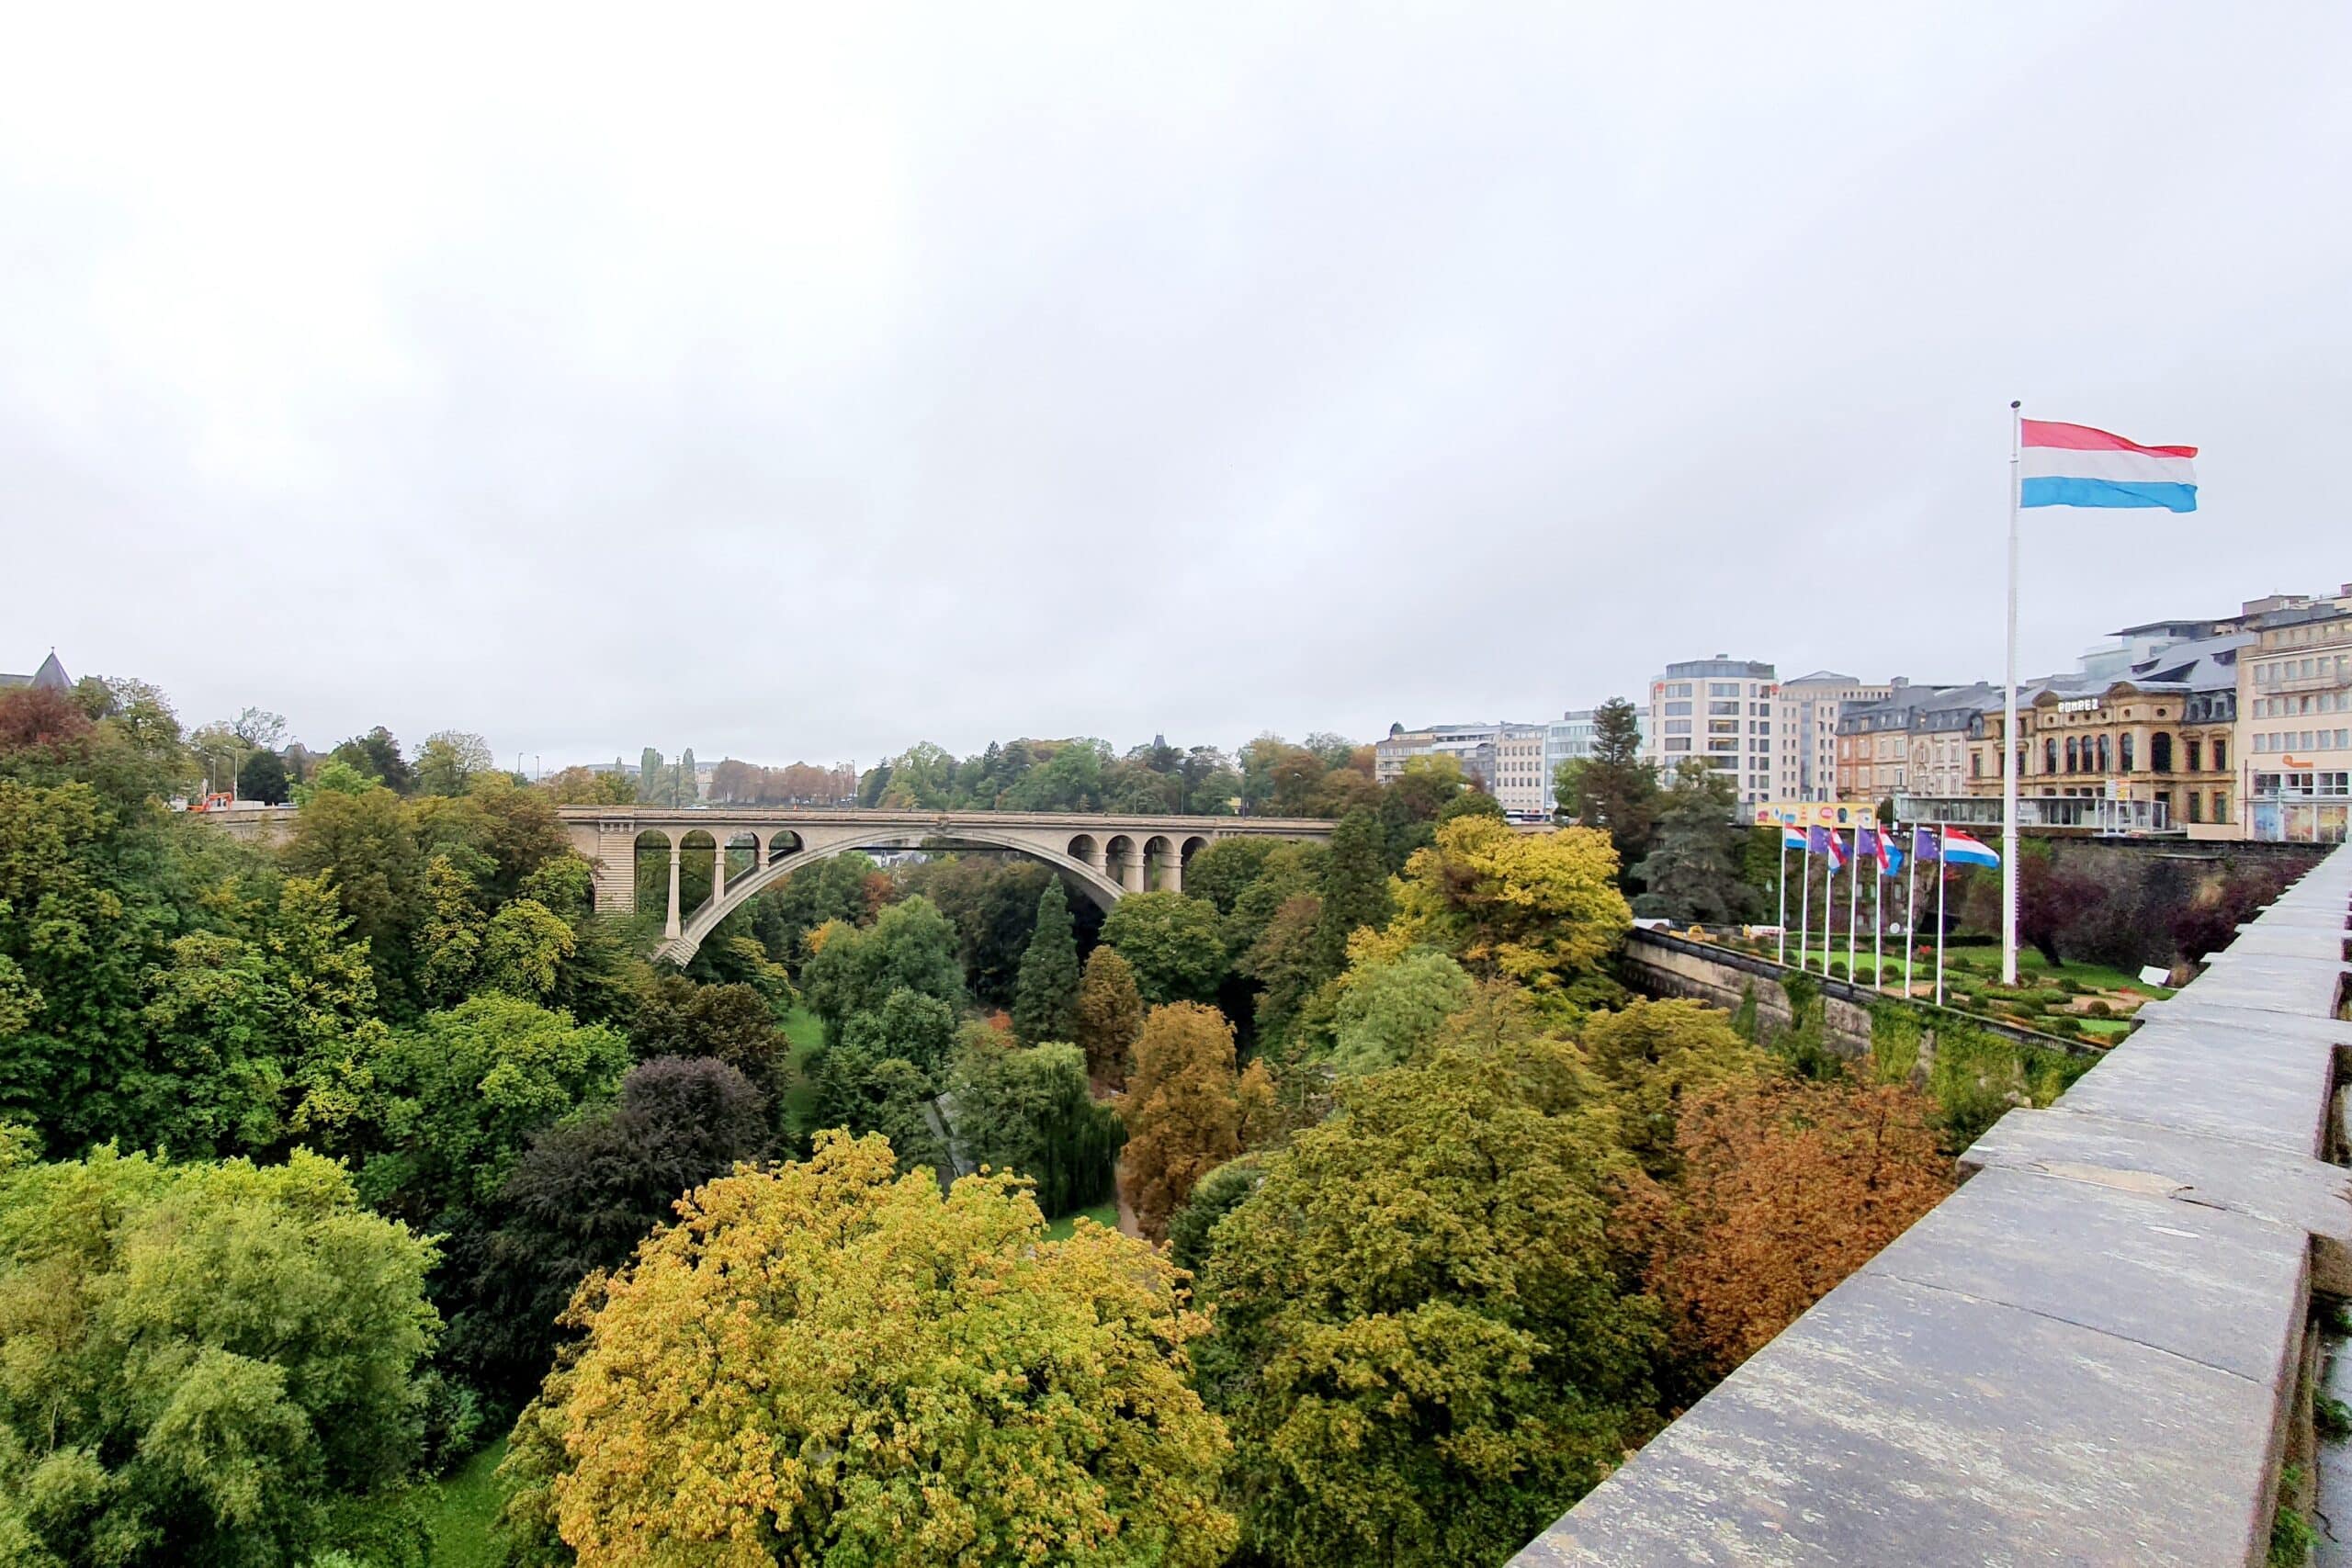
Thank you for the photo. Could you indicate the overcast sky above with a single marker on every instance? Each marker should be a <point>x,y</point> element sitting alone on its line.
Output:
<point>811,386</point>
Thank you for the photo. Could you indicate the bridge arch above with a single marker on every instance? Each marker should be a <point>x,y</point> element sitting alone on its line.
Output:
<point>739,890</point>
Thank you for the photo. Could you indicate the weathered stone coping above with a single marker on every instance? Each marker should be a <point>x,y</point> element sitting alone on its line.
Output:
<point>2090,1353</point>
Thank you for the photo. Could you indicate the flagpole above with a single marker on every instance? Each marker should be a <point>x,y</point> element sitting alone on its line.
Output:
<point>1910,913</point>
<point>1853,905</point>
<point>2008,741</point>
<point>1805,905</point>
<point>1784,919</point>
<point>1943,875</point>
<point>1877,918</point>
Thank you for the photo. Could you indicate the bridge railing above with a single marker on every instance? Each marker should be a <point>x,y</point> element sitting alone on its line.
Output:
<point>2098,1350</point>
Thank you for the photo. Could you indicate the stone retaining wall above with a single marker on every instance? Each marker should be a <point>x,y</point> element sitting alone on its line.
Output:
<point>2096,1351</point>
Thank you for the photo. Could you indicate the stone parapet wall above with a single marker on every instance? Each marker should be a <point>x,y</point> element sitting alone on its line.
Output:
<point>2097,1350</point>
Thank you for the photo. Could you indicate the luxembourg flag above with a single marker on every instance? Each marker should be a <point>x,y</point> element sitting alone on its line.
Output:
<point>2073,465</point>
<point>1793,839</point>
<point>1958,849</point>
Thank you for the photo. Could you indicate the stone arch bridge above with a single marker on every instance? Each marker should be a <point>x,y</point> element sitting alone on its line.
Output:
<point>1103,855</point>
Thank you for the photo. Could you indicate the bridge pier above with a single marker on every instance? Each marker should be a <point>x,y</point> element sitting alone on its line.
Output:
<point>717,871</point>
<point>669,927</point>
<point>1131,869</point>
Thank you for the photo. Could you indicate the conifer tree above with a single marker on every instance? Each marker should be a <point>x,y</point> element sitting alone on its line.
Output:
<point>1355,888</point>
<point>1109,1015</point>
<point>1045,1004</point>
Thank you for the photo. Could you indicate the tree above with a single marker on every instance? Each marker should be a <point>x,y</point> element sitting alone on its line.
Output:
<point>1213,1197</point>
<point>909,1025</point>
<point>1031,1112</point>
<point>889,1096</point>
<point>1355,889</point>
<point>1419,1335</point>
<point>1613,789</point>
<point>1693,871</point>
<point>1222,870</point>
<point>452,1101</point>
<point>1656,1057</point>
<point>979,1395</point>
<point>729,1023</point>
<point>1183,1108</point>
<point>448,758</point>
<point>1390,1010</point>
<point>378,755</point>
<point>1542,908</point>
<point>262,777</point>
<point>1787,1187</point>
<point>910,946</point>
<point>1108,1016</point>
<point>586,1192</point>
<point>204,1360</point>
<point>1045,1004</point>
<point>365,845</point>
<point>993,905</point>
<point>1172,941</point>
<point>1287,962</point>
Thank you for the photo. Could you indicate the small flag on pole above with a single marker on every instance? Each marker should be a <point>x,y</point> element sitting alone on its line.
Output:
<point>2073,464</point>
<point>1823,841</point>
<point>1889,854</point>
<point>1793,838</point>
<point>1923,845</point>
<point>1962,850</point>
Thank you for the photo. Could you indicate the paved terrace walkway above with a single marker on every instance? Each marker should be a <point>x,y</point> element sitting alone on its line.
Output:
<point>2096,1351</point>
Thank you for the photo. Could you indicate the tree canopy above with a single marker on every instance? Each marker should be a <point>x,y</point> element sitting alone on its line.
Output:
<point>828,1362</point>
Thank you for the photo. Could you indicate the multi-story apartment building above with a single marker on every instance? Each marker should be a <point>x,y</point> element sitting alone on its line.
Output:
<point>1521,786</point>
<point>1808,710</point>
<point>2294,701</point>
<point>1916,742</point>
<point>2163,733</point>
<point>1720,711</point>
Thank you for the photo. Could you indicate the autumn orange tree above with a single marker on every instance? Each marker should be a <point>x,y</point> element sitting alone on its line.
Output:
<point>1786,1188</point>
<point>1539,909</point>
<point>827,1362</point>
<point>1188,1111</point>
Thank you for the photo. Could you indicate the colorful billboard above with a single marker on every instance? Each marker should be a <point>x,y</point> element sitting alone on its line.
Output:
<point>1813,813</point>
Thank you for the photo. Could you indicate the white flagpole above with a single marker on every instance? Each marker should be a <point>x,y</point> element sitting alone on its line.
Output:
<point>2009,739</point>
<point>1853,906</point>
<point>1877,918</point>
<point>1910,913</point>
<point>1783,920</point>
<point>1943,875</point>
<point>1805,901</point>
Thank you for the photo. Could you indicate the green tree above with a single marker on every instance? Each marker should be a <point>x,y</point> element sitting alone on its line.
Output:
<point>1213,1197</point>
<point>1694,869</point>
<point>909,1025</point>
<point>1030,1110</point>
<point>1045,1005</point>
<point>1355,891</point>
<point>1390,1010</point>
<point>1655,1055</point>
<point>448,758</point>
<point>863,1093</point>
<point>731,1023</point>
<point>1223,869</point>
<point>1436,1397</point>
<point>203,1361</point>
<point>451,1102</point>
<point>378,755</point>
<point>367,846</point>
<point>262,777</point>
<point>1108,1016</point>
<point>1033,1393</point>
<point>1614,789</point>
<point>910,946</point>
<point>1173,943</point>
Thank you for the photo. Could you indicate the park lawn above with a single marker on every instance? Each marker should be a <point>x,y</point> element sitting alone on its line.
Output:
<point>1987,962</point>
<point>803,1032</point>
<point>1103,1214</point>
<point>462,1508</point>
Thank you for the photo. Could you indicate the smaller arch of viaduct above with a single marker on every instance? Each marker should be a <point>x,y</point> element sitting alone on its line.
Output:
<point>1103,856</point>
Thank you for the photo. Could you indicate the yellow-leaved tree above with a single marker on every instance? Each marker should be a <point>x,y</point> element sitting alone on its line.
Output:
<point>827,1362</point>
<point>1542,908</point>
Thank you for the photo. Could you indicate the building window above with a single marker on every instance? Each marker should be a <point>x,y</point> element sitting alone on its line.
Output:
<point>2220,763</point>
<point>2106,756</point>
<point>2220,805</point>
<point>2074,757</point>
<point>2196,750</point>
<point>2196,806</point>
<point>2049,756</point>
<point>1678,743</point>
<point>2125,748</point>
<point>1674,709</point>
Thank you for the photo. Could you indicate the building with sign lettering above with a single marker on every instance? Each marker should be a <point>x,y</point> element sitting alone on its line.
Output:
<point>2166,732</point>
<point>1916,742</point>
<point>2294,701</point>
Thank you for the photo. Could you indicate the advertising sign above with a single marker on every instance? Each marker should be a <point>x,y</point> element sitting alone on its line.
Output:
<point>1815,813</point>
